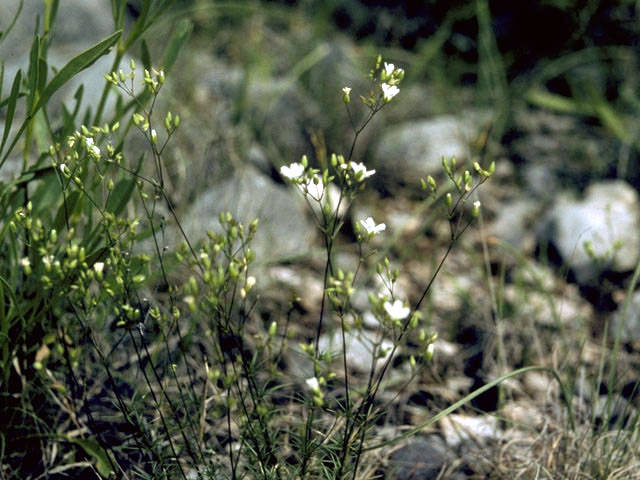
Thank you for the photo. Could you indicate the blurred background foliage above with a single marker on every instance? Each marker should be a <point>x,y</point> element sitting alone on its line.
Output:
<point>577,57</point>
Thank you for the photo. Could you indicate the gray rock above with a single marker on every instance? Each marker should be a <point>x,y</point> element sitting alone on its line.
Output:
<point>284,230</point>
<point>420,459</point>
<point>359,348</point>
<point>414,150</point>
<point>598,232</point>
<point>630,319</point>
<point>279,112</point>
<point>79,24</point>
<point>513,221</point>
<point>458,429</point>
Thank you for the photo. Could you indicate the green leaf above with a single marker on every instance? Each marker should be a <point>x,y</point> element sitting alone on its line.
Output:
<point>33,72</point>
<point>66,209</point>
<point>145,55</point>
<point>120,196</point>
<point>93,449</point>
<point>11,108</point>
<point>180,36</point>
<point>75,66</point>
<point>72,68</point>
<point>46,194</point>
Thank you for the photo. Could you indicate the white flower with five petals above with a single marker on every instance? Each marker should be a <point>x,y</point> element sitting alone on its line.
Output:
<point>389,68</point>
<point>293,171</point>
<point>389,91</point>
<point>397,310</point>
<point>370,226</point>
<point>360,168</point>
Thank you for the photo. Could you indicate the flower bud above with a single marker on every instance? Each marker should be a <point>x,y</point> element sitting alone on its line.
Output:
<point>345,95</point>
<point>273,329</point>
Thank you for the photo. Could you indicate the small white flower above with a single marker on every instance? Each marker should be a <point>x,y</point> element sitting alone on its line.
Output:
<point>63,167</point>
<point>315,188</point>
<point>371,227</point>
<point>476,204</point>
<point>397,310</point>
<point>91,147</point>
<point>295,170</point>
<point>389,68</point>
<point>389,91</point>
<point>47,260</point>
<point>313,384</point>
<point>430,351</point>
<point>359,167</point>
<point>98,267</point>
<point>345,94</point>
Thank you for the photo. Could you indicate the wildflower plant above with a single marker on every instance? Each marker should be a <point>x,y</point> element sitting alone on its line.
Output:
<point>397,320</point>
<point>88,280</point>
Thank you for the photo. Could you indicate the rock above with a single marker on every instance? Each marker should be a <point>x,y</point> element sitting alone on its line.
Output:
<point>630,319</point>
<point>457,429</point>
<point>79,24</point>
<point>284,229</point>
<point>513,221</point>
<point>414,150</point>
<point>278,111</point>
<point>543,138</point>
<point>420,459</point>
<point>359,348</point>
<point>605,222</point>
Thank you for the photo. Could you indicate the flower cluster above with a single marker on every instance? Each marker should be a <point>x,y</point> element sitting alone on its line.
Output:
<point>390,78</point>
<point>309,181</point>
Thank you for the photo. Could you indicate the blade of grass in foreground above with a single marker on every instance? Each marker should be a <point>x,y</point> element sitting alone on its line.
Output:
<point>473,395</point>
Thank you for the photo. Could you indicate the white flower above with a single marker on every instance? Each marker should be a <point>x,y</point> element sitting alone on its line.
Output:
<point>346,90</point>
<point>389,68</point>
<point>295,170</point>
<point>389,91</point>
<point>476,204</point>
<point>397,310</point>
<point>371,227</point>
<point>313,384</point>
<point>315,188</point>
<point>98,267</point>
<point>91,147</point>
<point>359,167</point>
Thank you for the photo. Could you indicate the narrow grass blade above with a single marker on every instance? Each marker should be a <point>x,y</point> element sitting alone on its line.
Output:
<point>11,108</point>
<point>4,34</point>
<point>72,68</point>
<point>473,395</point>
<point>75,66</point>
